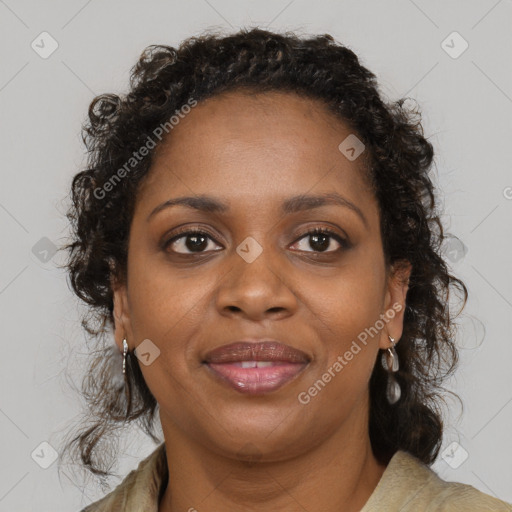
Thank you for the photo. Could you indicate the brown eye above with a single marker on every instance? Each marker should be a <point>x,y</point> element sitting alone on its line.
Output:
<point>189,242</point>
<point>320,239</point>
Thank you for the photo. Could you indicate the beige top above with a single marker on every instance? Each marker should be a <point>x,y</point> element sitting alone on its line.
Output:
<point>407,485</point>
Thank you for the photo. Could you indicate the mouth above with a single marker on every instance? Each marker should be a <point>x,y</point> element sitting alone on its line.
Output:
<point>256,367</point>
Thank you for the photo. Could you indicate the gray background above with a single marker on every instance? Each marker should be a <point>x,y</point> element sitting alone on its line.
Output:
<point>467,106</point>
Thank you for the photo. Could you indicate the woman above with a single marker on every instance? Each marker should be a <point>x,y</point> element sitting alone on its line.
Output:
<point>259,228</point>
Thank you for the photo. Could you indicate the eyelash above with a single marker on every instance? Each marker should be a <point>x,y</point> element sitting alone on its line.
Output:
<point>345,244</point>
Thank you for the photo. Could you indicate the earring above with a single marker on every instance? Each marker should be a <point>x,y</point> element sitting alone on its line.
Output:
<point>389,362</point>
<point>125,351</point>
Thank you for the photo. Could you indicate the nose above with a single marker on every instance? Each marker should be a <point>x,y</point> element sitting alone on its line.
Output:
<point>257,290</point>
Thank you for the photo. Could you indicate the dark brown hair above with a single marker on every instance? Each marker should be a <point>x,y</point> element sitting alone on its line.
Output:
<point>398,163</point>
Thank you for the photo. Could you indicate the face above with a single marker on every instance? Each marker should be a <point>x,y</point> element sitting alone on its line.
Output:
<point>189,295</point>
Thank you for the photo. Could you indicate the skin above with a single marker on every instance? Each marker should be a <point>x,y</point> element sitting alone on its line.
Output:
<point>227,450</point>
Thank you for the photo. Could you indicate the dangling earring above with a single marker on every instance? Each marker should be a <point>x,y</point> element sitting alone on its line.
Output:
<point>390,363</point>
<point>125,351</point>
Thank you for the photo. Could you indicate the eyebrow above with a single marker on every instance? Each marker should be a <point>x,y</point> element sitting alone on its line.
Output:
<point>293,204</point>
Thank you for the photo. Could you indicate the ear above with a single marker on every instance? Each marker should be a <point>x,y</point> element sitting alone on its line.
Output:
<point>394,303</point>
<point>122,324</point>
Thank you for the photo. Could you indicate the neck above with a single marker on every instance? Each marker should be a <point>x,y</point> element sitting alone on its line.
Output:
<point>339,474</point>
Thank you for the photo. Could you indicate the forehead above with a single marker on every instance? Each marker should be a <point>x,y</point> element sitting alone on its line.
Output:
<point>273,117</point>
<point>255,145</point>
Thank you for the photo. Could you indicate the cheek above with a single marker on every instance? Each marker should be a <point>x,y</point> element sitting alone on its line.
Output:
<point>350,300</point>
<point>162,300</point>
<point>346,315</point>
<point>167,309</point>
<point>171,309</point>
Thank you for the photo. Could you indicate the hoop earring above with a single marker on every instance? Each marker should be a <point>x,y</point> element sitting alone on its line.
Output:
<point>125,351</point>
<point>390,363</point>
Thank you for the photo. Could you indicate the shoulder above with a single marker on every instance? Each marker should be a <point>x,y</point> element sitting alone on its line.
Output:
<point>139,490</point>
<point>409,485</point>
<point>457,497</point>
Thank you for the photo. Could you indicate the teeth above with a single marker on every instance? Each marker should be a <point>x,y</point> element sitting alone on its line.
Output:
<point>255,364</point>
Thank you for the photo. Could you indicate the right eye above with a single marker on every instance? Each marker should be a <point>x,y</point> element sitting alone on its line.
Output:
<point>193,240</point>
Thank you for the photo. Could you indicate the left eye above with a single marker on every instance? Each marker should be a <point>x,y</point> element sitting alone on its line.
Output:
<point>321,239</point>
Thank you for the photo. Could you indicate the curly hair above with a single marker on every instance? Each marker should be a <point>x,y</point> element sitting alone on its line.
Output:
<point>399,159</point>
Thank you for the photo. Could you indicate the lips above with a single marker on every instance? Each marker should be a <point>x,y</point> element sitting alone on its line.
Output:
<point>256,367</point>
<point>256,351</point>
